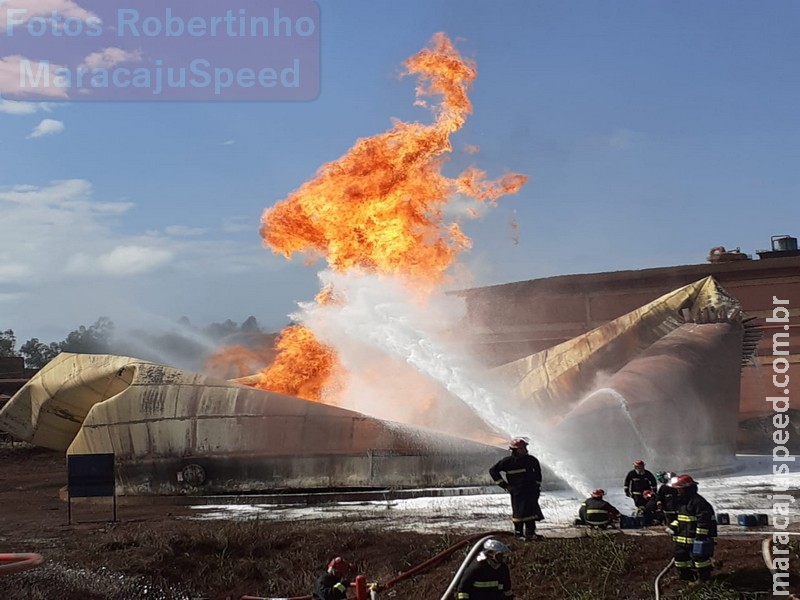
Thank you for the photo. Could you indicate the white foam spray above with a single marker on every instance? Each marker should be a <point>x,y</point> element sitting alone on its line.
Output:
<point>380,316</point>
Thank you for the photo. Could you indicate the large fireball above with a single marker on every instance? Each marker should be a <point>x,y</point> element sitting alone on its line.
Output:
<point>379,209</point>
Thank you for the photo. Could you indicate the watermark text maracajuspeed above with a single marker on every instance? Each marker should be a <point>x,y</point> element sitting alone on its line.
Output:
<point>781,502</point>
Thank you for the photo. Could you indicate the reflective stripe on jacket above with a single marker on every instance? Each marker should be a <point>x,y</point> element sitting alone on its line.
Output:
<point>695,519</point>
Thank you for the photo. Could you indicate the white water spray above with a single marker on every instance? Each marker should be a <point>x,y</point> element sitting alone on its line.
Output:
<point>378,315</point>
<point>650,454</point>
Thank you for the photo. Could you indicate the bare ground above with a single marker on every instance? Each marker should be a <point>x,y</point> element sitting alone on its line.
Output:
<point>153,551</point>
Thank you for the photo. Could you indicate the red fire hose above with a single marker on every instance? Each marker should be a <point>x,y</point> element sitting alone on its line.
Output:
<point>360,584</point>
<point>16,563</point>
<point>438,558</point>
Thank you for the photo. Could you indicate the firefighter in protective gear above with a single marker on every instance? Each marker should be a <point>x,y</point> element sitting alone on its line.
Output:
<point>695,523</point>
<point>488,577</point>
<point>333,584</point>
<point>523,479</point>
<point>637,481</point>
<point>651,511</point>
<point>667,496</point>
<point>596,512</point>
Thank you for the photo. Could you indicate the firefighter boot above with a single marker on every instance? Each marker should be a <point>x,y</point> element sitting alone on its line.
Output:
<point>530,532</point>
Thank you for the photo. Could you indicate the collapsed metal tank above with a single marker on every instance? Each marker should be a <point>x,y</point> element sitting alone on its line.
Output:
<point>173,431</point>
<point>659,383</point>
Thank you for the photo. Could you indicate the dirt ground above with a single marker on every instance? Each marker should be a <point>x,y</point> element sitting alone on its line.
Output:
<point>155,551</point>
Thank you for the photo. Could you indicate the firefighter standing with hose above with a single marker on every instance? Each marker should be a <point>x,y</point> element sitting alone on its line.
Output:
<point>523,479</point>
<point>693,531</point>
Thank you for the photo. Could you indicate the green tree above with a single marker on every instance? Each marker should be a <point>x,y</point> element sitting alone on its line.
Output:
<point>95,339</point>
<point>37,354</point>
<point>217,331</point>
<point>251,325</point>
<point>8,342</point>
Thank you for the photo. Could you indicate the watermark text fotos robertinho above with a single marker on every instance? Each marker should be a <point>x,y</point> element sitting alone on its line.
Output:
<point>156,50</point>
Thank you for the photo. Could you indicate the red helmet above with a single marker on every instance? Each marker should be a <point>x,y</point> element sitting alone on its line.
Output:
<point>517,443</point>
<point>681,481</point>
<point>340,567</point>
<point>647,494</point>
<point>638,463</point>
<point>598,493</point>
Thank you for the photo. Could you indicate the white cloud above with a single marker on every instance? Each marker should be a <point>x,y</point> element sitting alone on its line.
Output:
<point>59,192</point>
<point>12,272</point>
<point>183,230</point>
<point>13,297</point>
<point>229,142</point>
<point>13,68</point>
<point>622,139</point>
<point>108,57</point>
<point>43,226</point>
<point>47,127</point>
<point>121,261</point>
<point>240,225</point>
<point>41,8</point>
<point>69,257</point>
<point>11,107</point>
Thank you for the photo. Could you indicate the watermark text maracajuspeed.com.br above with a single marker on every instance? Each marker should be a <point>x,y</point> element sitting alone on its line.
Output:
<point>781,458</point>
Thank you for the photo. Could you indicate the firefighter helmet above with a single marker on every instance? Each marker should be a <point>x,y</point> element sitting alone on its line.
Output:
<point>638,463</point>
<point>647,494</point>
<point>681,481</point>
<point>517,444</point>
<point>493,550</point>
<point>340,567</point>
<point>598,493</point>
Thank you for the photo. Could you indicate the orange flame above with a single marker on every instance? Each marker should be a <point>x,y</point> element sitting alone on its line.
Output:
<point>378,208</point>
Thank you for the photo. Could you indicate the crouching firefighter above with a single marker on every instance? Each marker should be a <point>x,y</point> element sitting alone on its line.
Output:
<point>693,531</point>
<point>333,584</point>
<point>597,512</point>
<point>487,577</point>
<point>523,479</point>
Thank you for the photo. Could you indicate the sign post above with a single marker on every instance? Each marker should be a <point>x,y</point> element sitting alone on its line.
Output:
<point>90,476</point>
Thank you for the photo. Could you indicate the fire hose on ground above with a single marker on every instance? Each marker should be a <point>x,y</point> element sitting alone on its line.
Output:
<point>16,563</point>
<point>365,591</point>
<point>660,575</point>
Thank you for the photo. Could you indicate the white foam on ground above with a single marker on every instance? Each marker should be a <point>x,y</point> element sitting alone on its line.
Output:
<point>744,491</point>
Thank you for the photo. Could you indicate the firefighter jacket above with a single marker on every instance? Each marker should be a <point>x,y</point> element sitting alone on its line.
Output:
<point>330,587</point>
<point>482,581</point>
<point>523,474</point>
<point>669,498</point>
<point>596,511</point>
<point>695,519</point>
<point>636,483</point>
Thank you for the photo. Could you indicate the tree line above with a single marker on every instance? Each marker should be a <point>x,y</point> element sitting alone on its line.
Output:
<point>184,345</point>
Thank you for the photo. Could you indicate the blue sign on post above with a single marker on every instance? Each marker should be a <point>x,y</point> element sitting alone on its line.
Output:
<point>90,476</point>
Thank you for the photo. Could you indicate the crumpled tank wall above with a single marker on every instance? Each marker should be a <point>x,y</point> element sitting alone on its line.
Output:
<point>674,406</point>
<point>178,432</point>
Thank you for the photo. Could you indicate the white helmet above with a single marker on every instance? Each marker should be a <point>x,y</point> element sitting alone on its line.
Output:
<point>493,549</point>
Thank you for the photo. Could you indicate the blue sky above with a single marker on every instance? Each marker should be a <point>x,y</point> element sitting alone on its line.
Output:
<point>651,131</point>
